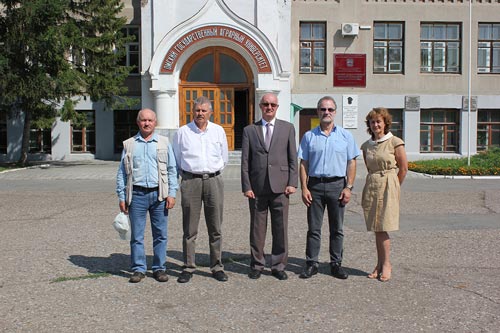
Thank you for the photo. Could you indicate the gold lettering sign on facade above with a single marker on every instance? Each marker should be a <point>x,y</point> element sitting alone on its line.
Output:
<point>233,35</point>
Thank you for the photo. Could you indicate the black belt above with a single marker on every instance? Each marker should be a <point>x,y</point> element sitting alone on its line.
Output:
<point>145,189</point>
<point>326,179</point>
<point>202,176</point>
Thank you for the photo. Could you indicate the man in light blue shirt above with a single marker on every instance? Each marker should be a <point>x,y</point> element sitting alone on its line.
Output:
<point>327,171</point>
<point>147,182</point>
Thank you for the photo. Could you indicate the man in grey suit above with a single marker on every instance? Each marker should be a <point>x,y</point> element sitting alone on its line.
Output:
<point>268,176</point>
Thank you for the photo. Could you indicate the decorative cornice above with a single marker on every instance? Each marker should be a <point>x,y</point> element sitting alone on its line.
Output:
<point>219,32</point>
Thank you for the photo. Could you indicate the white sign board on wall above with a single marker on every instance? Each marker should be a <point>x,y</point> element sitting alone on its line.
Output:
<point>350,111</point>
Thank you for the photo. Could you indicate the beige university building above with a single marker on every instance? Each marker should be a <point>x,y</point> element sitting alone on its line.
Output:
<point>424,60</point>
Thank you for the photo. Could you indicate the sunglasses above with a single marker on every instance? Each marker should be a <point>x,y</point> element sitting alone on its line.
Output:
<point>273,105</point>
<point>327,109</point>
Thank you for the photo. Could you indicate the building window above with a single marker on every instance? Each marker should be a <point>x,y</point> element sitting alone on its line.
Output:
<point>125,127</point>
<point>3,133</point>
<point>77,58</point>
<point>132,56</point>
<point>388,47</point>
<point>397,122</point>
<point>40,140</point>
<point>439,130</point>
<point>488,48</point>
<point>312,47</point>
<point>440,47</point>
<point>83,138</point>
<point>488,129</point>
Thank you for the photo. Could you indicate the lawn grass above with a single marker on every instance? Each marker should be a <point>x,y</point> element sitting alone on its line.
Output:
<point>81,277</point>
<point>485,163</point>
<point>9,166</point>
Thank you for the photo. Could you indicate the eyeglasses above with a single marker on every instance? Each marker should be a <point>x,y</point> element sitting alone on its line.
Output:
<point>327,109</point>
<point>273,105</point>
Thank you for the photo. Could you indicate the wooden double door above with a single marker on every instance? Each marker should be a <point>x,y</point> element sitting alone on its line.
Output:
<point>231,109</point>
<point>223,76</point>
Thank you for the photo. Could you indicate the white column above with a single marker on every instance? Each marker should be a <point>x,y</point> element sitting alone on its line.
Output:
<point>167,111</point>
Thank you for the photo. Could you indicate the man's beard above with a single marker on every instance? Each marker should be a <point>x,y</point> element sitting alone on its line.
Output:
<point>326,120</point>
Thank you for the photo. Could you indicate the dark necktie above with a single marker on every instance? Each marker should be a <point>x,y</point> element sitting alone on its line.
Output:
<point>268,135</point>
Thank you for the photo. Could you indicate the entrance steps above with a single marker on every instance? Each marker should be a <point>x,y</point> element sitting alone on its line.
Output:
<point>234,157</point>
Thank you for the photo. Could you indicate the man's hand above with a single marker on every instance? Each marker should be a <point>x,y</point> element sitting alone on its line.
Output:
<point>306,197</point>
<point>249,194</point>
<point>345,196</point>
<point>170,202</point>
<point>290,190</point>
<point>123,207</point>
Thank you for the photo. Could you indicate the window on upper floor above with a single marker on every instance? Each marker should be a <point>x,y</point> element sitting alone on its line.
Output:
<point>83,138</point>
<point>440,45</point>
<point>488,129</point>
<point>125,127</point>
<point>488,48</point>
<point>132,56</point>
<point>388,47</point>
<point>439,130</point>
<point>312,47</point>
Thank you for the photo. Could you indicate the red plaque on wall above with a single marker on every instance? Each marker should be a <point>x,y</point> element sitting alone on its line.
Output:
<point>349,70</point>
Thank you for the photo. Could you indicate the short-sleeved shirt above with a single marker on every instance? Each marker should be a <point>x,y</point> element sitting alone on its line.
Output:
<point>327,156</point>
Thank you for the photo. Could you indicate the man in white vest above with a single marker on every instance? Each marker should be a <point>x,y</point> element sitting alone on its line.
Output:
<point>147,182</point>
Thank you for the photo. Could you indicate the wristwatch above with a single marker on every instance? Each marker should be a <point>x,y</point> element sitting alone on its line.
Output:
<point>349,187</point>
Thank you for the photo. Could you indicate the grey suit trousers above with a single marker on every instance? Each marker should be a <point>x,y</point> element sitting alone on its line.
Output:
<point>194,192</point>
<point>277,205</point>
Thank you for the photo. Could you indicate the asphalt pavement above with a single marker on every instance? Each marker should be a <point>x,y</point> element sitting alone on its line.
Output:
<point>64,268</point>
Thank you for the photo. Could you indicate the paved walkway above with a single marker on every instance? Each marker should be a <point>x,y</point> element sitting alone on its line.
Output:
<point>65,269</point>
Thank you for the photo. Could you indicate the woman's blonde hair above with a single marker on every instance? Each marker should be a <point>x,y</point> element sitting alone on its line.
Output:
<point>376,112</point>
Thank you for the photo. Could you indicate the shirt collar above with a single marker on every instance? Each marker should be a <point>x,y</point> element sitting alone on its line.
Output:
<point>319,131</point>
<point>138,137</point>
<point>382,139</point>
<point>195,128</point>
<point>272,122</point>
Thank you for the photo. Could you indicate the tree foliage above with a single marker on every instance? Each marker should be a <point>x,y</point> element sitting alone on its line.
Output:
<point>53,52</point>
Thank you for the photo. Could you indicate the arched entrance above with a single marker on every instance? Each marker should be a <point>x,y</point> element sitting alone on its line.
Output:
<point>222,75</point>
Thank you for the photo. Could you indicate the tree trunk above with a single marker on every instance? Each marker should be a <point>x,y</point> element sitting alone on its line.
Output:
<point>25,145</point>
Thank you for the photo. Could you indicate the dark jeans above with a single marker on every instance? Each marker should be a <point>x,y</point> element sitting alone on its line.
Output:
<point>325,195</point>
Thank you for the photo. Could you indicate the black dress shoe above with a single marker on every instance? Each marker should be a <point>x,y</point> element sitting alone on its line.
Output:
<point>254,274</point>
<point>220,276</point>
<point>137,277</point>
<point>185,277</point>
<point>309,271</point>
<point>160,276</point>
<point>339,272</point>
<point>280,275</point>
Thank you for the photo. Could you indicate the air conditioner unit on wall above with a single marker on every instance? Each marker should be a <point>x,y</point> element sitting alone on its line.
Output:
<point>350,29</point>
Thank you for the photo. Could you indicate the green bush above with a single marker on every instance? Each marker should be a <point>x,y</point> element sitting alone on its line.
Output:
<point>483,164</point>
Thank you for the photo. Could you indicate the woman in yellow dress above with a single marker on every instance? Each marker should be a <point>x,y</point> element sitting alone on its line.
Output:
<point>385,158</point>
